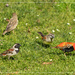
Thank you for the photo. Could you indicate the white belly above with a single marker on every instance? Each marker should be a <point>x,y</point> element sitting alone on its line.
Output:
<point>11,54</point>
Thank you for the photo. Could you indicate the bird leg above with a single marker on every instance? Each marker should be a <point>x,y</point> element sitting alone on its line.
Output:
<point>13,31</point>
<point>8,57</point>
<point>69,52</point>
<point>64,54</point>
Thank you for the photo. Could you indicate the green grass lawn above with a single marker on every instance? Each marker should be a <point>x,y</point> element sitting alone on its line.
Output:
<point>38,17</point>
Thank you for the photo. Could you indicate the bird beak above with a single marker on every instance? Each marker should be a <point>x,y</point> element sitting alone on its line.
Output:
<point>53,37</point>
<point>20,45</point>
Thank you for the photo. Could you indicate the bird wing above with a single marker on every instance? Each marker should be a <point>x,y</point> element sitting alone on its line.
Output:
<point>7,52</point>
<point>67,46</point>
<point>68,49</point>
<point>11,23</point>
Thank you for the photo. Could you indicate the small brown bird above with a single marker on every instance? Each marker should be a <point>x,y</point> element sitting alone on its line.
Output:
<point>47,38</point>
<point>12,51</point>
<point>13,22</point>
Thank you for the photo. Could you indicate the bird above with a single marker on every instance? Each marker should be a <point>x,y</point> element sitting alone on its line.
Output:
<point>47,38</point>
<point>13,22</point>
<point>66,47</point>
<point>12,51</point>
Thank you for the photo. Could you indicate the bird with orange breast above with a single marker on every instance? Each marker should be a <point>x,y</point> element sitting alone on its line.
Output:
<point>66,46</point>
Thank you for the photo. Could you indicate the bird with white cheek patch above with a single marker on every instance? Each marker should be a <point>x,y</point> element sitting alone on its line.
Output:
<point>12,51</point>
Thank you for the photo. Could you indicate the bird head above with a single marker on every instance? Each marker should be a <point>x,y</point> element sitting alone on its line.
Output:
<point>14,14</point>
<point>52,36</point>
<point>17,45</point>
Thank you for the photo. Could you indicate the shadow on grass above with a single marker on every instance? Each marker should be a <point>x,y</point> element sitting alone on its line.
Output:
<point>43,45</point>
<point>6,34</point>
<point>6,58</point>
<point>55,53</point>
<point>67,54</point>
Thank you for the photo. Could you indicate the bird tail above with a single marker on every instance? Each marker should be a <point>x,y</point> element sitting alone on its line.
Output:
<point>54,47</point>
<point>41,34</point>
<point>61,48</point>
<point>4,32</point>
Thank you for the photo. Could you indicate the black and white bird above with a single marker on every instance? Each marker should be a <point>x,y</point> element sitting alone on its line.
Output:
<point>12,51</point>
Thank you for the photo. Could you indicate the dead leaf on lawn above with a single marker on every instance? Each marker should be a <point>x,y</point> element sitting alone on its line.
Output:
<point>38,21</point>
<point>47,63</point>
<point>7,20</point>
<point>28,30</point>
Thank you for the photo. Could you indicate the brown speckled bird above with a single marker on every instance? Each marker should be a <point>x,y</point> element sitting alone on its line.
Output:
<point>47,38</point>
<point>13,22</point>
<point>12,51</point>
